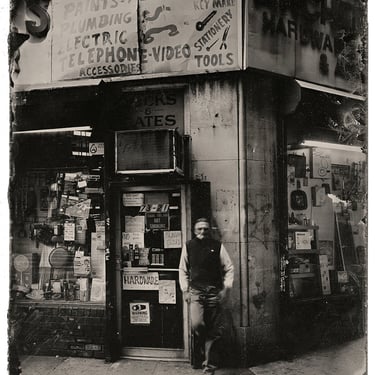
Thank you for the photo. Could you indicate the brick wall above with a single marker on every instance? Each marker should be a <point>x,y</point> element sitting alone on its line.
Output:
<point>64,330</point>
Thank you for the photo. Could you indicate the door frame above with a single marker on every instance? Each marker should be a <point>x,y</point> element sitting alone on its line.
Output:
<point>145,352</point>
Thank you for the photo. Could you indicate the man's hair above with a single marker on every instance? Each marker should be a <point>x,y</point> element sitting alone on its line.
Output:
<point>201,220</point>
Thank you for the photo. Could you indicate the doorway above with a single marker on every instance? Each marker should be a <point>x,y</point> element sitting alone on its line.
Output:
<point>150,230</point>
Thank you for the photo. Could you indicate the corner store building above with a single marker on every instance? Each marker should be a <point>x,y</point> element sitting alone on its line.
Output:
<point>227,85</point>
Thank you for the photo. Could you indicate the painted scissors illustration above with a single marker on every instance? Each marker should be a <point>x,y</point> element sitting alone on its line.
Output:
<point>224,40</point>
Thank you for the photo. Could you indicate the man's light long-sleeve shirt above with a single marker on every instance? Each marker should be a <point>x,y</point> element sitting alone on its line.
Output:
<point>184,274</point>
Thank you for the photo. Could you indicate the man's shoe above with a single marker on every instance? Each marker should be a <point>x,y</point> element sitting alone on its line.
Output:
<point>209,369</point>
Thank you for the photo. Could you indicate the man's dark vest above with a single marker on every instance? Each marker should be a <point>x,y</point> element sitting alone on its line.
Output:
<point>204,263</point>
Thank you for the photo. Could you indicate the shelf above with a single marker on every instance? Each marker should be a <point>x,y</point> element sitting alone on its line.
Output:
<point>59,302</point>
<point>303,251</point>
<point>296,227</point>
<point>327,298</point>
<point>146,269</point>
<point>302,275</point>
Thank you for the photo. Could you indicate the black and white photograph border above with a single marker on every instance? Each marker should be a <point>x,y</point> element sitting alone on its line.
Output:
<point>69,225</point>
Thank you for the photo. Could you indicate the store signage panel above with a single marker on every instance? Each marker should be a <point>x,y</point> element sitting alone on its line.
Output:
<point>155,109</point>
<point>306,41</point>
<point>190,36</point>
<point>268,50</point>
<point>30,42</point>
<point>94,39</point>
<point>140,280</point>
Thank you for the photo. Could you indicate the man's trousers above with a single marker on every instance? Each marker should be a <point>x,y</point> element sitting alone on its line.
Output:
<point>207,323</point>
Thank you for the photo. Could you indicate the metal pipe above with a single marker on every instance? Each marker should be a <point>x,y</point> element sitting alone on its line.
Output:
<point>242,197</point>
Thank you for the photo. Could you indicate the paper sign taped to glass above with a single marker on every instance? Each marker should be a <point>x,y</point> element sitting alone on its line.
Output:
<point>139,313</point>
<point>134,238</point>
<point>134,224</point>
<point>172,239</point>
<point>167,291</point>
<point>133,199</point>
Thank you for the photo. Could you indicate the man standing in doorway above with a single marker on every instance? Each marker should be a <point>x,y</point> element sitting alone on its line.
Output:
<point>206,276</point>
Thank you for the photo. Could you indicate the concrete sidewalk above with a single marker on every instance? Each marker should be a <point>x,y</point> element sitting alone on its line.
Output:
<point>345,359</point>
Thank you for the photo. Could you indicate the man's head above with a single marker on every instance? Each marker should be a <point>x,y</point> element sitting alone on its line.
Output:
<point>202,228</point>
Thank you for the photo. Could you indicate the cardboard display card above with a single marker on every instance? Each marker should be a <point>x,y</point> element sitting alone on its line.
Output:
<point>303,240</point>
<point>81,209</point>
<point>97,290</point>
<point>69,231</point>
<point>81,264</point>
<point>100,226</point>
<point>97,257</point>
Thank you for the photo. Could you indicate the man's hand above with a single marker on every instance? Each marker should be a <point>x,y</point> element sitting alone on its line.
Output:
<point>186,296</point>
<point>223,294</point>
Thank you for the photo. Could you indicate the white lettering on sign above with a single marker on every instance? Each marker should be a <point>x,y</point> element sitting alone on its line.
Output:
<point>140,281</point>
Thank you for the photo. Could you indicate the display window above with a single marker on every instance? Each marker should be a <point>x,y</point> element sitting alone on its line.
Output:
<point>326,165</point>
<point>58,222</point>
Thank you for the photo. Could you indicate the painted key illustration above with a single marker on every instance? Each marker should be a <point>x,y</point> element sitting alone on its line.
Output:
<point>200,25</point>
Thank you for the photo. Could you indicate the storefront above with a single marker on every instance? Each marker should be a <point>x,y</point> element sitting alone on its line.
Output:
<point>110,168</point>
<point>325,256</point>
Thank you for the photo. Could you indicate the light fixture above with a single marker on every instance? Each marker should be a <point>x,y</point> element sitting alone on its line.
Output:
<point>56,130</point>
<point>335,146</point>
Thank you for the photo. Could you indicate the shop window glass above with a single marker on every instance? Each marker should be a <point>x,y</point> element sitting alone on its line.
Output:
<point>58,223</point>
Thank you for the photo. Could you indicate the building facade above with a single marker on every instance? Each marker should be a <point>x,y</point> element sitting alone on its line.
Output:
<point>132,119</point>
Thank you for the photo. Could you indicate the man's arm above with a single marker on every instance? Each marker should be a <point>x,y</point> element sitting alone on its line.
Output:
<point>228,268</point>
<point>183,272</point>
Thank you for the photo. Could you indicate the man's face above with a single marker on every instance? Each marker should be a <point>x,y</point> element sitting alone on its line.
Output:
<point>202,230</point>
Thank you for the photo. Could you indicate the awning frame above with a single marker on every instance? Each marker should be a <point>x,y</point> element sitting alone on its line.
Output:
<point>328,90</point>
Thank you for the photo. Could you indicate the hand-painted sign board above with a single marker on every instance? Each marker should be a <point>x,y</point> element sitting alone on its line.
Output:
<point>190,36</point>
<point>315,41</point>
<point>95,39</point>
